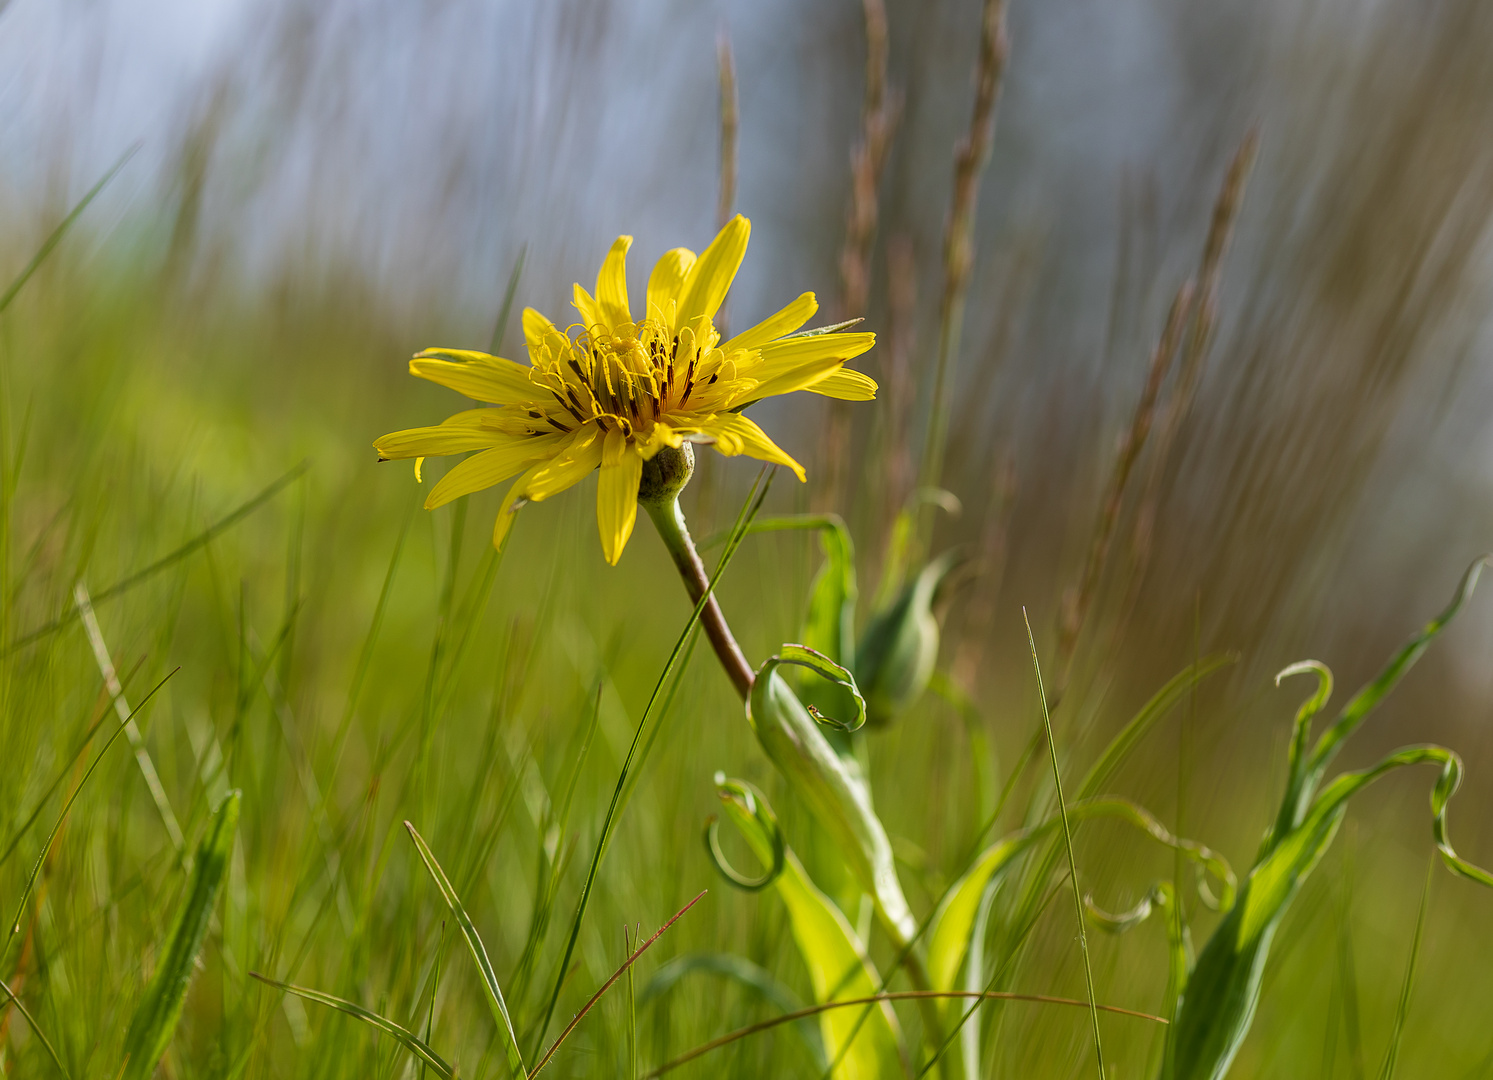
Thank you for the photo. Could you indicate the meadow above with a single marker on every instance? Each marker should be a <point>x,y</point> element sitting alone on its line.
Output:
<point>269,722</point>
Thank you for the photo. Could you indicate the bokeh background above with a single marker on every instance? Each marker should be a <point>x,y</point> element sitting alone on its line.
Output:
<point>320,189</point>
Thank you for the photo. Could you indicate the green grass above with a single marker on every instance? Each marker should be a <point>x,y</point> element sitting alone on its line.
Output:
<point>435,745</point>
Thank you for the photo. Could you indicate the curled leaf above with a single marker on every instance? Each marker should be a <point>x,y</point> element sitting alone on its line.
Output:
<point>768,821</point>
<point>867,1046</point>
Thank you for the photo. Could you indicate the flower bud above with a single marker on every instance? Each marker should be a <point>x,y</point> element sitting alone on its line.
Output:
<point>895,657</point>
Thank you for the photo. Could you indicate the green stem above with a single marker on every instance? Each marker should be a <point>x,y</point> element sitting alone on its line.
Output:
<point>669,520</point>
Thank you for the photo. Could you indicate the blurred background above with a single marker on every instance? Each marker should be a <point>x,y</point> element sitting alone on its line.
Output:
<point>320,189</point>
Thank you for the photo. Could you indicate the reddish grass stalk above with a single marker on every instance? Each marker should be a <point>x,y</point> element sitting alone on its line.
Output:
<point>879,114</point>
<point>726,64</point>
<point>626,964</point>
<point>1210,273</point>
<point>895,995</point>
<point>1078,599</point>
<point>726,202</point>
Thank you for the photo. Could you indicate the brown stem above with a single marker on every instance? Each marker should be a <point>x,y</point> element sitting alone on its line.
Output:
<point>669,520</point>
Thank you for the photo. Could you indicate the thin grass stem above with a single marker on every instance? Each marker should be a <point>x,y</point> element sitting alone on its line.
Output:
<point>663,691</point>
<point>1057,783</point>
<point>626,968</point>
<point>894,995</point>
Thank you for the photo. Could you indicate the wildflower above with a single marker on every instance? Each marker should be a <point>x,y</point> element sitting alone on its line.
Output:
<point>614,389</point>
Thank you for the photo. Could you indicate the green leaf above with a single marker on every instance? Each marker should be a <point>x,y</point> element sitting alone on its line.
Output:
<point>826,668</point>
<point>837,796</point>
<point>159,1009</point>
<point>1296,765</point>
<point>835,956</point>
<point>1356,711</point>
<point>830,625</point>
<point>495,1000</point>
<point>949,930</point>
<point>1218,1004</point>
<point>408,1039</point>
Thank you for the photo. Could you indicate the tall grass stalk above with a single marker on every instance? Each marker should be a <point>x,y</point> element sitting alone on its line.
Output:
<point>1057,785</point>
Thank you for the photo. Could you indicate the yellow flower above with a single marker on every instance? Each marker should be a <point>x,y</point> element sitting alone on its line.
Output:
<point>612,390</point>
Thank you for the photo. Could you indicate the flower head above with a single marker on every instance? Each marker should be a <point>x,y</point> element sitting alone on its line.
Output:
<point>617,386</point>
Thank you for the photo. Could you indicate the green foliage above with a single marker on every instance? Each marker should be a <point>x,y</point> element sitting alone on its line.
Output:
<point>160,1008</point>
<point>1217,1006</point>
<point>866,1046</point>
<point>837,795</point>
<point>478,950</point>
<point>408,1039</point>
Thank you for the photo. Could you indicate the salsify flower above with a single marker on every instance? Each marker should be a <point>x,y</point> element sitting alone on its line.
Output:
<point>614,388</point>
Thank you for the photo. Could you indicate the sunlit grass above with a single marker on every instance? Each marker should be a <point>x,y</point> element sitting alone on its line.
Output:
<point>469,781</point>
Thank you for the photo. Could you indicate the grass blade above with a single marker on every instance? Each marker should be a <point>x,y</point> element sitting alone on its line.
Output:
<point>408,1039</point>
<point>170,559</point>
<point>745,973</point>
<point>1366,699</point>
<point>479,951</point>
<point>894,995</point>
<point>1057,783</point>
<point>508,294</point>
<point>15,923</point>
<point>625,968</point>
<point>658,702</point>
<point>122,709</point>
<point>36,1030</point>
<point>155,1017</point>
<point>1392,1054</point>
<point>58,233</point>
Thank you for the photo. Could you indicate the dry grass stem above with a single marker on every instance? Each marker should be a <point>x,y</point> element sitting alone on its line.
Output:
<point>970,159</point>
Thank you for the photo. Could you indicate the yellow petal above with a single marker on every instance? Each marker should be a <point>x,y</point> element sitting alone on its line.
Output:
<point>735,434</point>
<point>477,375</point>
<point>668,274</point>
<point>509,508</point>
<point>492,466</point>
<point>590,310</point>
<point>804,376</point>
<point>611,284</point>
<point>570,467</point>
<point>658,437</point>
<point>617,494</point>
<point>785,321</point>
<point>847,385</point>
<point>781,356</point>
<point>536,328</point>
<point>706,284</point>
<point>456,436</point>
